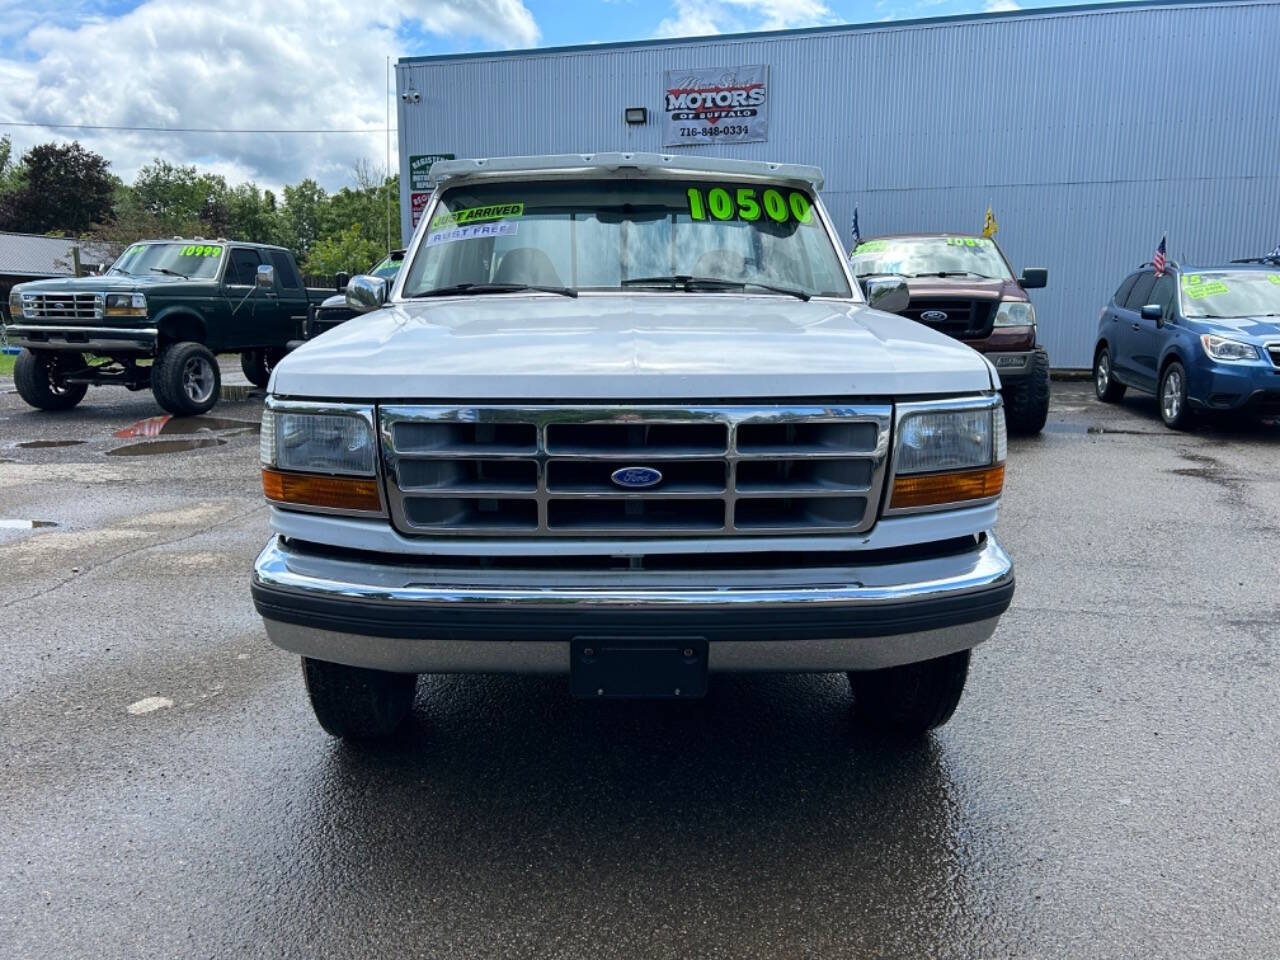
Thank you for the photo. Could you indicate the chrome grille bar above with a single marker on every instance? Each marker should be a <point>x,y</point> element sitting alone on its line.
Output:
<point>547,470</point>
<point>51,305</point>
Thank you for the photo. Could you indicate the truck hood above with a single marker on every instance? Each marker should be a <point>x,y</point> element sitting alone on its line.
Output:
<point>633,347</point>
<point>114,284</point>
<point>965,288</point>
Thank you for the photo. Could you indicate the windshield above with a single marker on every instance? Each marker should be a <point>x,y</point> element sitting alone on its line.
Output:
<point>931,257</point>
<point>387,268</point>
<point>610,235</point>
<point>1238,293</point>
<point>189,260</point>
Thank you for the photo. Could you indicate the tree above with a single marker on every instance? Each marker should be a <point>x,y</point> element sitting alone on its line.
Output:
<point>251,214</point>
<point>60,187</point>
<point>181,193</point>
<point>365,206</point>
<point>304,207</point>
<point>349,252</point>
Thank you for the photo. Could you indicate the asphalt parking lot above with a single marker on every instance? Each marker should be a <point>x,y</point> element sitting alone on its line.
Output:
<point>1107,788</point>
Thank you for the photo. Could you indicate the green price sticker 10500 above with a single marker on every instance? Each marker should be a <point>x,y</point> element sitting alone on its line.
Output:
<point>746,203</point>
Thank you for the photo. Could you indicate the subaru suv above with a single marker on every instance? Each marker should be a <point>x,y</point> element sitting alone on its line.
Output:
<point>963,286</point>
<point>1199,338</point>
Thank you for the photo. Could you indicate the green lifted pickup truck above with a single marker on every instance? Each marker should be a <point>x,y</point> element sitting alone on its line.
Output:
<point>156,319</point>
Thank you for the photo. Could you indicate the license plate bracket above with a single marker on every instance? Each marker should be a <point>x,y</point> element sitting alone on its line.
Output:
<point>649,668</point>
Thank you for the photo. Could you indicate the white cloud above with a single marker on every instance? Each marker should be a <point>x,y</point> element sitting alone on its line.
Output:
<point>703,17</point>
<point>253,64</point>
<point>1001,6</point>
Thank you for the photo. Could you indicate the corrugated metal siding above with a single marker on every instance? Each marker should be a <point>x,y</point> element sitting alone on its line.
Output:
<point>1089,132</point>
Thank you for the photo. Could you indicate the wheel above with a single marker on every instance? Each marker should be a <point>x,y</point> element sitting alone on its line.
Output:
<point>1108,389</point>
<point>1026,401</point>
<point>185,379</point>
<point>1173,397</point>
<point>910,699</point>
<point>357,703</point>
<point>258,364</point>
<point>38,377</point>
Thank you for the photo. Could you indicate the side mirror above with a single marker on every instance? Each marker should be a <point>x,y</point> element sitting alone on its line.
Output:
<point>890,294</point>
<point>365,293</point>
<point>1033,278</point>
<point>266,276</point>
<point>340,281</point>
<point>1153,311</point>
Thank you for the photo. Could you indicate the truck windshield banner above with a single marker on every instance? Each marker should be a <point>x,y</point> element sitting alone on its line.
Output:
<point>715,104</point>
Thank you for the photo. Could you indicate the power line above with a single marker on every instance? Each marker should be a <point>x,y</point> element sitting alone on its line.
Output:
<point>104,126</point>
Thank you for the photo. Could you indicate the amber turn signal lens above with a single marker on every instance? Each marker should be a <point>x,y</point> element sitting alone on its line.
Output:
<point>309,490</point>
<point>933,489</point>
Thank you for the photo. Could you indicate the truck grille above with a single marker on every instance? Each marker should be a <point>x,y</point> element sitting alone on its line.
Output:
<point>549,471</point>
<point>967,319</point>
<point>62,306</point>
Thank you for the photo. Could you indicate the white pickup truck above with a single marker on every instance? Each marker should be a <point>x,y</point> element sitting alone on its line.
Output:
<point>628,418</point>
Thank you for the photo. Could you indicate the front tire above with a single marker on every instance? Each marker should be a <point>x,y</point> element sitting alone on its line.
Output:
<point>355,702</point>
<point>1026,401</point>
<point>1174,410</point>
<point>1105,385</point>
<point>912,699</point>
<point>38,377</point>
<point>186,380</point>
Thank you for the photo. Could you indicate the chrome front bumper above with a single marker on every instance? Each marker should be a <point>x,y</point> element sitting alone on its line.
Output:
<point>419,619</point>
<point>107,340</point>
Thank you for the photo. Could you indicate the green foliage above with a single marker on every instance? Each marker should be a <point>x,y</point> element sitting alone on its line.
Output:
<point>350,251</point>
<point>346,230</point>
<point>56,187</point>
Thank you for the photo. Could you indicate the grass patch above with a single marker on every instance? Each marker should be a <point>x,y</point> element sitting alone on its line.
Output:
<point>6,364</point>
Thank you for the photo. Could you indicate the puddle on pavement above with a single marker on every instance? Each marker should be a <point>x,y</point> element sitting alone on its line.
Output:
<point>44,444</point>
<point>169,426</point>
<point>25,524</point>
<point>150,448</point>
<point>168,434</point>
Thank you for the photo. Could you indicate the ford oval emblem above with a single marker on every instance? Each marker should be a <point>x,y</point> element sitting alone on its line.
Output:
<point>933,316</point>
<point>636,478</point>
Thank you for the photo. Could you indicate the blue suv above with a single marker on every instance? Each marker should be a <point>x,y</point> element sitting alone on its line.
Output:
<point>1199,338</point>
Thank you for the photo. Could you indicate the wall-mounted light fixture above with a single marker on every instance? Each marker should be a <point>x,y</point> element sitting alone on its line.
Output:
<point>636,115</point>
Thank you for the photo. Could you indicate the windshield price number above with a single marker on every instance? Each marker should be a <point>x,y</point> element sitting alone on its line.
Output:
<point>199,251</point>
<point>967,241</point>
<point>746,203</point>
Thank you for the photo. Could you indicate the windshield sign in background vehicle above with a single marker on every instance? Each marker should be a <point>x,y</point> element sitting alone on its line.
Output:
<point>931,257</point>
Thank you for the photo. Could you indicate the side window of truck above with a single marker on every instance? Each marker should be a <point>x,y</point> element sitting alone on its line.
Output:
<point>286,274</point>
<point>242,266</point>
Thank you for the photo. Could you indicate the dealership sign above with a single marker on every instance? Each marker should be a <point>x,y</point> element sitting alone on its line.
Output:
<point>418,200</point>
<point>420,169</point>
<point>715,105</point>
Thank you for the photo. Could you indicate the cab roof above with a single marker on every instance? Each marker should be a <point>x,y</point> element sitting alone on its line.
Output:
<point>607,164</point>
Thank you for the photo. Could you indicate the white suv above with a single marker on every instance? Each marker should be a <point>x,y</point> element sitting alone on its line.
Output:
<point>628,418</point>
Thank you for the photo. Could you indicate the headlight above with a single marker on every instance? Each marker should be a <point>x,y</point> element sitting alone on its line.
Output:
<point>946,457</point>
<point>126,305</point>
<point>1220,348</point>
<point>15,305</point>
<point>1015,313</point>
<point>325,457</point>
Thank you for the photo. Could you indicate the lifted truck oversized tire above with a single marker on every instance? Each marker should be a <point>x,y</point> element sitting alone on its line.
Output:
<point>258,363</point>
<point>185,379</point>
<point>1026,401</point>
<point>911,699</point>
<point>355,702</point>
<point>36,377</point>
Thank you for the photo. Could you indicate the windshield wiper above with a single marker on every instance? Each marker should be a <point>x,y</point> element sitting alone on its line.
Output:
<point>465,289</point>
<point>689,283</point>
<point>171,273</point>
<point>118,270</point>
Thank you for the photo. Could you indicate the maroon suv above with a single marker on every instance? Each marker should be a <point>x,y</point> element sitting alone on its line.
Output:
<point>963,286</point>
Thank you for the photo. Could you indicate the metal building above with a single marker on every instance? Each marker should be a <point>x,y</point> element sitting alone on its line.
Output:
<point>1090,130</point>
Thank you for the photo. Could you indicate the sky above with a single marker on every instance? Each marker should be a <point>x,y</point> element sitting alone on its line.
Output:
<point>313,65</point>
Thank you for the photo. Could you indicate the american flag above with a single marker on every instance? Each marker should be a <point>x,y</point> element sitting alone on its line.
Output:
<point>855,237</point>
<point>1158,260</point>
